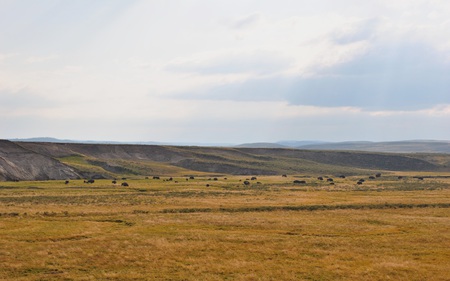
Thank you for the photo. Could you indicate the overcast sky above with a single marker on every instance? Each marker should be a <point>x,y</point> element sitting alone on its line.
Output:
<point>230,71</point>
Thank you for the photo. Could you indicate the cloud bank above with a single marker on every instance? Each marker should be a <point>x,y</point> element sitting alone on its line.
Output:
<point>225,72</point>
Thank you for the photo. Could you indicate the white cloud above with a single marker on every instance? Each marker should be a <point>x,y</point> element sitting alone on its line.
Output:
<point>246,21</point>
<point>4,57</point>
<point>358,30</point>
<point>251,61</point>
<point>39,59</point>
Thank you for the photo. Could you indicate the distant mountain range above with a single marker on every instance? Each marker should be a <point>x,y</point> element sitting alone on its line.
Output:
<point>407,146</point>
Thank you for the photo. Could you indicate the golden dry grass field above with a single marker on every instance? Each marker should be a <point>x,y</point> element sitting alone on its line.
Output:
<point>385,229</point>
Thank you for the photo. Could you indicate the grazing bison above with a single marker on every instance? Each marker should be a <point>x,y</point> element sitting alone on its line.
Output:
<point>378,175</point>
<point>215,179</point>
<point>90,181</point>
<point>253,178</point>
<point>342,176</point>
<point>207,185</point>
<point>114,182</point>
<point>124,184</point>
<point>66,182</point>
<point>320,178</point>
<point>359,182</point>
<point>298,181</point>
<point>399,177</point>
<point>371,177</point>
<point>156,178</point>
<point>329,179</point>
<point>246,183</point>
<point>284,176</point>
<point>362,180</point>
<point>191,178</point>
<point>331,183</point>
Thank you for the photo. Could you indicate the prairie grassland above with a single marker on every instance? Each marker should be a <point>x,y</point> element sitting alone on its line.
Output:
<point>384,229</point>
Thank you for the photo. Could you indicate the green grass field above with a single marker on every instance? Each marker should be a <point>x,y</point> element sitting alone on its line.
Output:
<point>384,229</point>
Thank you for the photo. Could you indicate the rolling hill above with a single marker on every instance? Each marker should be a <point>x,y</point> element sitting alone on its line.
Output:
<point>40,160</point>
<point>407,146</point>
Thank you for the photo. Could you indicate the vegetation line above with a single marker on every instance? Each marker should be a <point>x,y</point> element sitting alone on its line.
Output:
<point>309,208</point>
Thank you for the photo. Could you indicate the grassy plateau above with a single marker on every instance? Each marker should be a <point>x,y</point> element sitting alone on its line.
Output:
<point>271,229</point>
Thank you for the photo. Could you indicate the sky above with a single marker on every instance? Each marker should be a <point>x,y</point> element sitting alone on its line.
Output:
<point>232,71</point>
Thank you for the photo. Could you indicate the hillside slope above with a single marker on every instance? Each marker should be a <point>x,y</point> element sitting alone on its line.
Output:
<point>19,163</point>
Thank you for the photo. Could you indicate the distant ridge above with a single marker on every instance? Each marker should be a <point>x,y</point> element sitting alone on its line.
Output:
<point>407,146</point>
<point>55,140</point>
<point>294,143</point>
<point>262,145</point>
<point>413,146</point>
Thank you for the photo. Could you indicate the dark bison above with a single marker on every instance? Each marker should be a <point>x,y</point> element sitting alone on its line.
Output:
<point>342,176</point>
<point>320,178</point>
<point>66,182</point>
<point>156,178</point>
<point>191,178</point>
<point>359,182</point>
<point>329,179</point>
<point>124,184</point>
<point>372,177</point>
<point>114,182</point>
<point>90,181</point>
<point>284,176</point>
<point>253,178</point>
<point>246,183</point>
<point>298,181</point>
<point>378,175</point>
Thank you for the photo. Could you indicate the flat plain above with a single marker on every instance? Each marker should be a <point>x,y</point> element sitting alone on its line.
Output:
<point>271,229</point>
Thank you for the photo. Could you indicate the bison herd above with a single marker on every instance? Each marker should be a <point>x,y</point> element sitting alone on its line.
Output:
<point>358,182</point>
<point>247,182</point>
